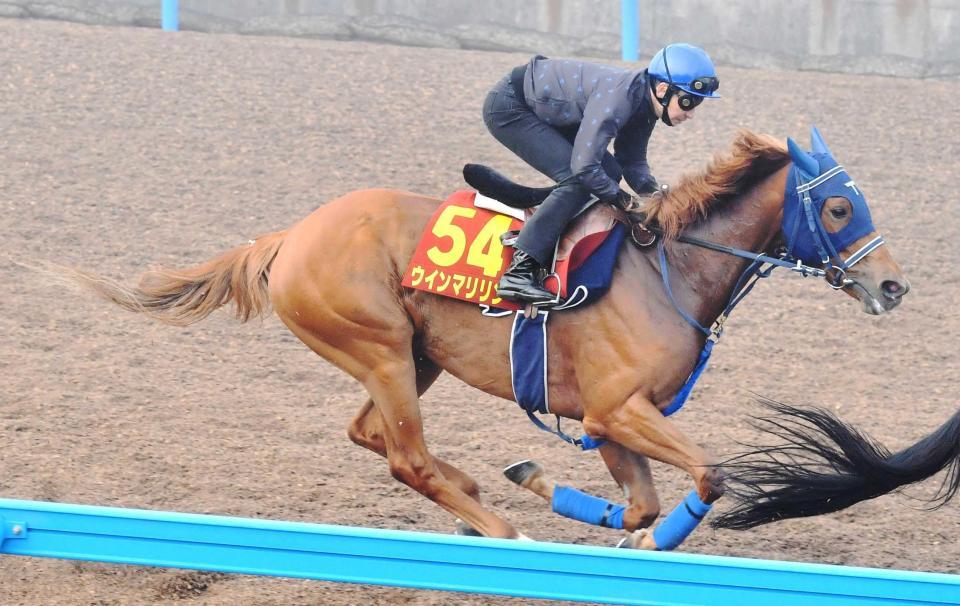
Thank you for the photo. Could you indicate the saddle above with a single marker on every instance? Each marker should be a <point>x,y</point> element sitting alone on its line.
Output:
<point>467,245</point>
<point>496,186</point>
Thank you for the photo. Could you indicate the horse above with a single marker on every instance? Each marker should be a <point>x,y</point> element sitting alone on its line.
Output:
<point>334,279</point>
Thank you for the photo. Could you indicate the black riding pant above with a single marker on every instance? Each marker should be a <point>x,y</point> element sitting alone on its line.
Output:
<point>548,149</point>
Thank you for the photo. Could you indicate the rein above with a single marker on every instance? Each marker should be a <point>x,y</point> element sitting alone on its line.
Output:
<point>745,283</point>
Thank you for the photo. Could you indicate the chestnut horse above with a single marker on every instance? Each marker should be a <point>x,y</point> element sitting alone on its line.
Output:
<point>334,279</point>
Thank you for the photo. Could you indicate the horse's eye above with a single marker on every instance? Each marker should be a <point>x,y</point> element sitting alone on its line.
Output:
<point>839,212</point>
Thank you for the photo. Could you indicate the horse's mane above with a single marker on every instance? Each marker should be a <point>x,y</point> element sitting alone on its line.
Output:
<point>752,157</point>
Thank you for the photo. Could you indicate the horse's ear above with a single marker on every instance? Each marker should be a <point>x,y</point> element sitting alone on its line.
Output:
<point>802,159</point>
<point>817,144</point>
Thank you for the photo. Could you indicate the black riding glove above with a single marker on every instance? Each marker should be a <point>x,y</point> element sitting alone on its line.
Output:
<point>623,200</point>
<point>647,186</point>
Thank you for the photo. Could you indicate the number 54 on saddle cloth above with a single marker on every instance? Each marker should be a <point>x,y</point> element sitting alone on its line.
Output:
<point>460,253</point>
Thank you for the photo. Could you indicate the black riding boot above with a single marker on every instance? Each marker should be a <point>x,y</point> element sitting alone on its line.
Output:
<point>522,280</point>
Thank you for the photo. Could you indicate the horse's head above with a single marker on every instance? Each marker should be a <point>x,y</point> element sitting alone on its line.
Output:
<point>826,223</point>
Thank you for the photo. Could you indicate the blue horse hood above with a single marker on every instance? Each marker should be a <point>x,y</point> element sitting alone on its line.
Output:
<point>831,181</point>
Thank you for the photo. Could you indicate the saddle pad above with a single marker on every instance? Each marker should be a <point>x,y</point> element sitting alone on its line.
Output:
<point>460,254</point>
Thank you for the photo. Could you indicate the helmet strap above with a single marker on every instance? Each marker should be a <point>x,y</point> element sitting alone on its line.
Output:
<point>665,104</point>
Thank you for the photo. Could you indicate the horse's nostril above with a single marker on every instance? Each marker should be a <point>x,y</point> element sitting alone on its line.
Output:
<point>893,289</point>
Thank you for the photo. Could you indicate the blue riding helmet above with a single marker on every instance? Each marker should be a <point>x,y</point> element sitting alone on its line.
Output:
<point>687,68</point>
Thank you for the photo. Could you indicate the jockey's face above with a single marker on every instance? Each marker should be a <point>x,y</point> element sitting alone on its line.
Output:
<point>676,113</point>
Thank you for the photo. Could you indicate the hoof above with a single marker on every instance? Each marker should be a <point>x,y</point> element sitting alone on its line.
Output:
<point>465,530</point>
<point>638,539</point>
<point>523,472</point>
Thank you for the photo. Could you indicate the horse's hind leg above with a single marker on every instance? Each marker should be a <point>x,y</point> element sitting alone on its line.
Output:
<point>367,430</point>
<point>393,387</point>
<point>379,354</point>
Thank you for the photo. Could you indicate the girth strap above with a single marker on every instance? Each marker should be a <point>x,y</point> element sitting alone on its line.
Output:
<point>584,442</point>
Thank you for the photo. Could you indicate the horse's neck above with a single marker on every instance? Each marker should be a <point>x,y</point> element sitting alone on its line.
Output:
<point>750,221</point>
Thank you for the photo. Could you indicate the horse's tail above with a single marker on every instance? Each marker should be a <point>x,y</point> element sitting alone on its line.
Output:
<point>826,465</point>
<point>185,296</point>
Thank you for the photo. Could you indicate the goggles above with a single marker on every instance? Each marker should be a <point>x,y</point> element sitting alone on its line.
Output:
<point>705,86</point>
<point>686,101</point>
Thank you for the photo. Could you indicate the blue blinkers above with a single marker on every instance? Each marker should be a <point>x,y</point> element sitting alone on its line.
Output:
<point>816,176</point>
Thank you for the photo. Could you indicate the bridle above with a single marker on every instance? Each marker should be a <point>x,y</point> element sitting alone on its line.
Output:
<point>810,249</point>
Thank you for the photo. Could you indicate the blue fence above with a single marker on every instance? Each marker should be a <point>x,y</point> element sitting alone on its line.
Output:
<point>446,562</point>
<point>629,24</point>
<point>170,15</point>
<point>630,30</point>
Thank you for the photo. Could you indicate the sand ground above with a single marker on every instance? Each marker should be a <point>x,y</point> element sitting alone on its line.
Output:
<point>126,148</point>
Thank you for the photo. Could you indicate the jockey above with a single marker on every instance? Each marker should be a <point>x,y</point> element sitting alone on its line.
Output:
<point>560,115</point>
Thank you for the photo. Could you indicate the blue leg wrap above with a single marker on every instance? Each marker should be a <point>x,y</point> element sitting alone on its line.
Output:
<point>680,523</point>
<point>572,503</point>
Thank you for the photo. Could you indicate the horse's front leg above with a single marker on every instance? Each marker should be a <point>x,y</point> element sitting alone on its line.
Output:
<point>632,474</point>
<point>631,471</point>
<point>639,426</point>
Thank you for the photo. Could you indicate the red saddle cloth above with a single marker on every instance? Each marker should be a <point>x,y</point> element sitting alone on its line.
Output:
<point>460,254</point>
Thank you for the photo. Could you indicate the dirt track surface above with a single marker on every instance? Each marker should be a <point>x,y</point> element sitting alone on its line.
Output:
<point>126,148</point>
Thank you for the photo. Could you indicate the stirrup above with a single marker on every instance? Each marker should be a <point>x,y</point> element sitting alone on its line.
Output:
<point>509,238</point>
<point>556,298</point>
